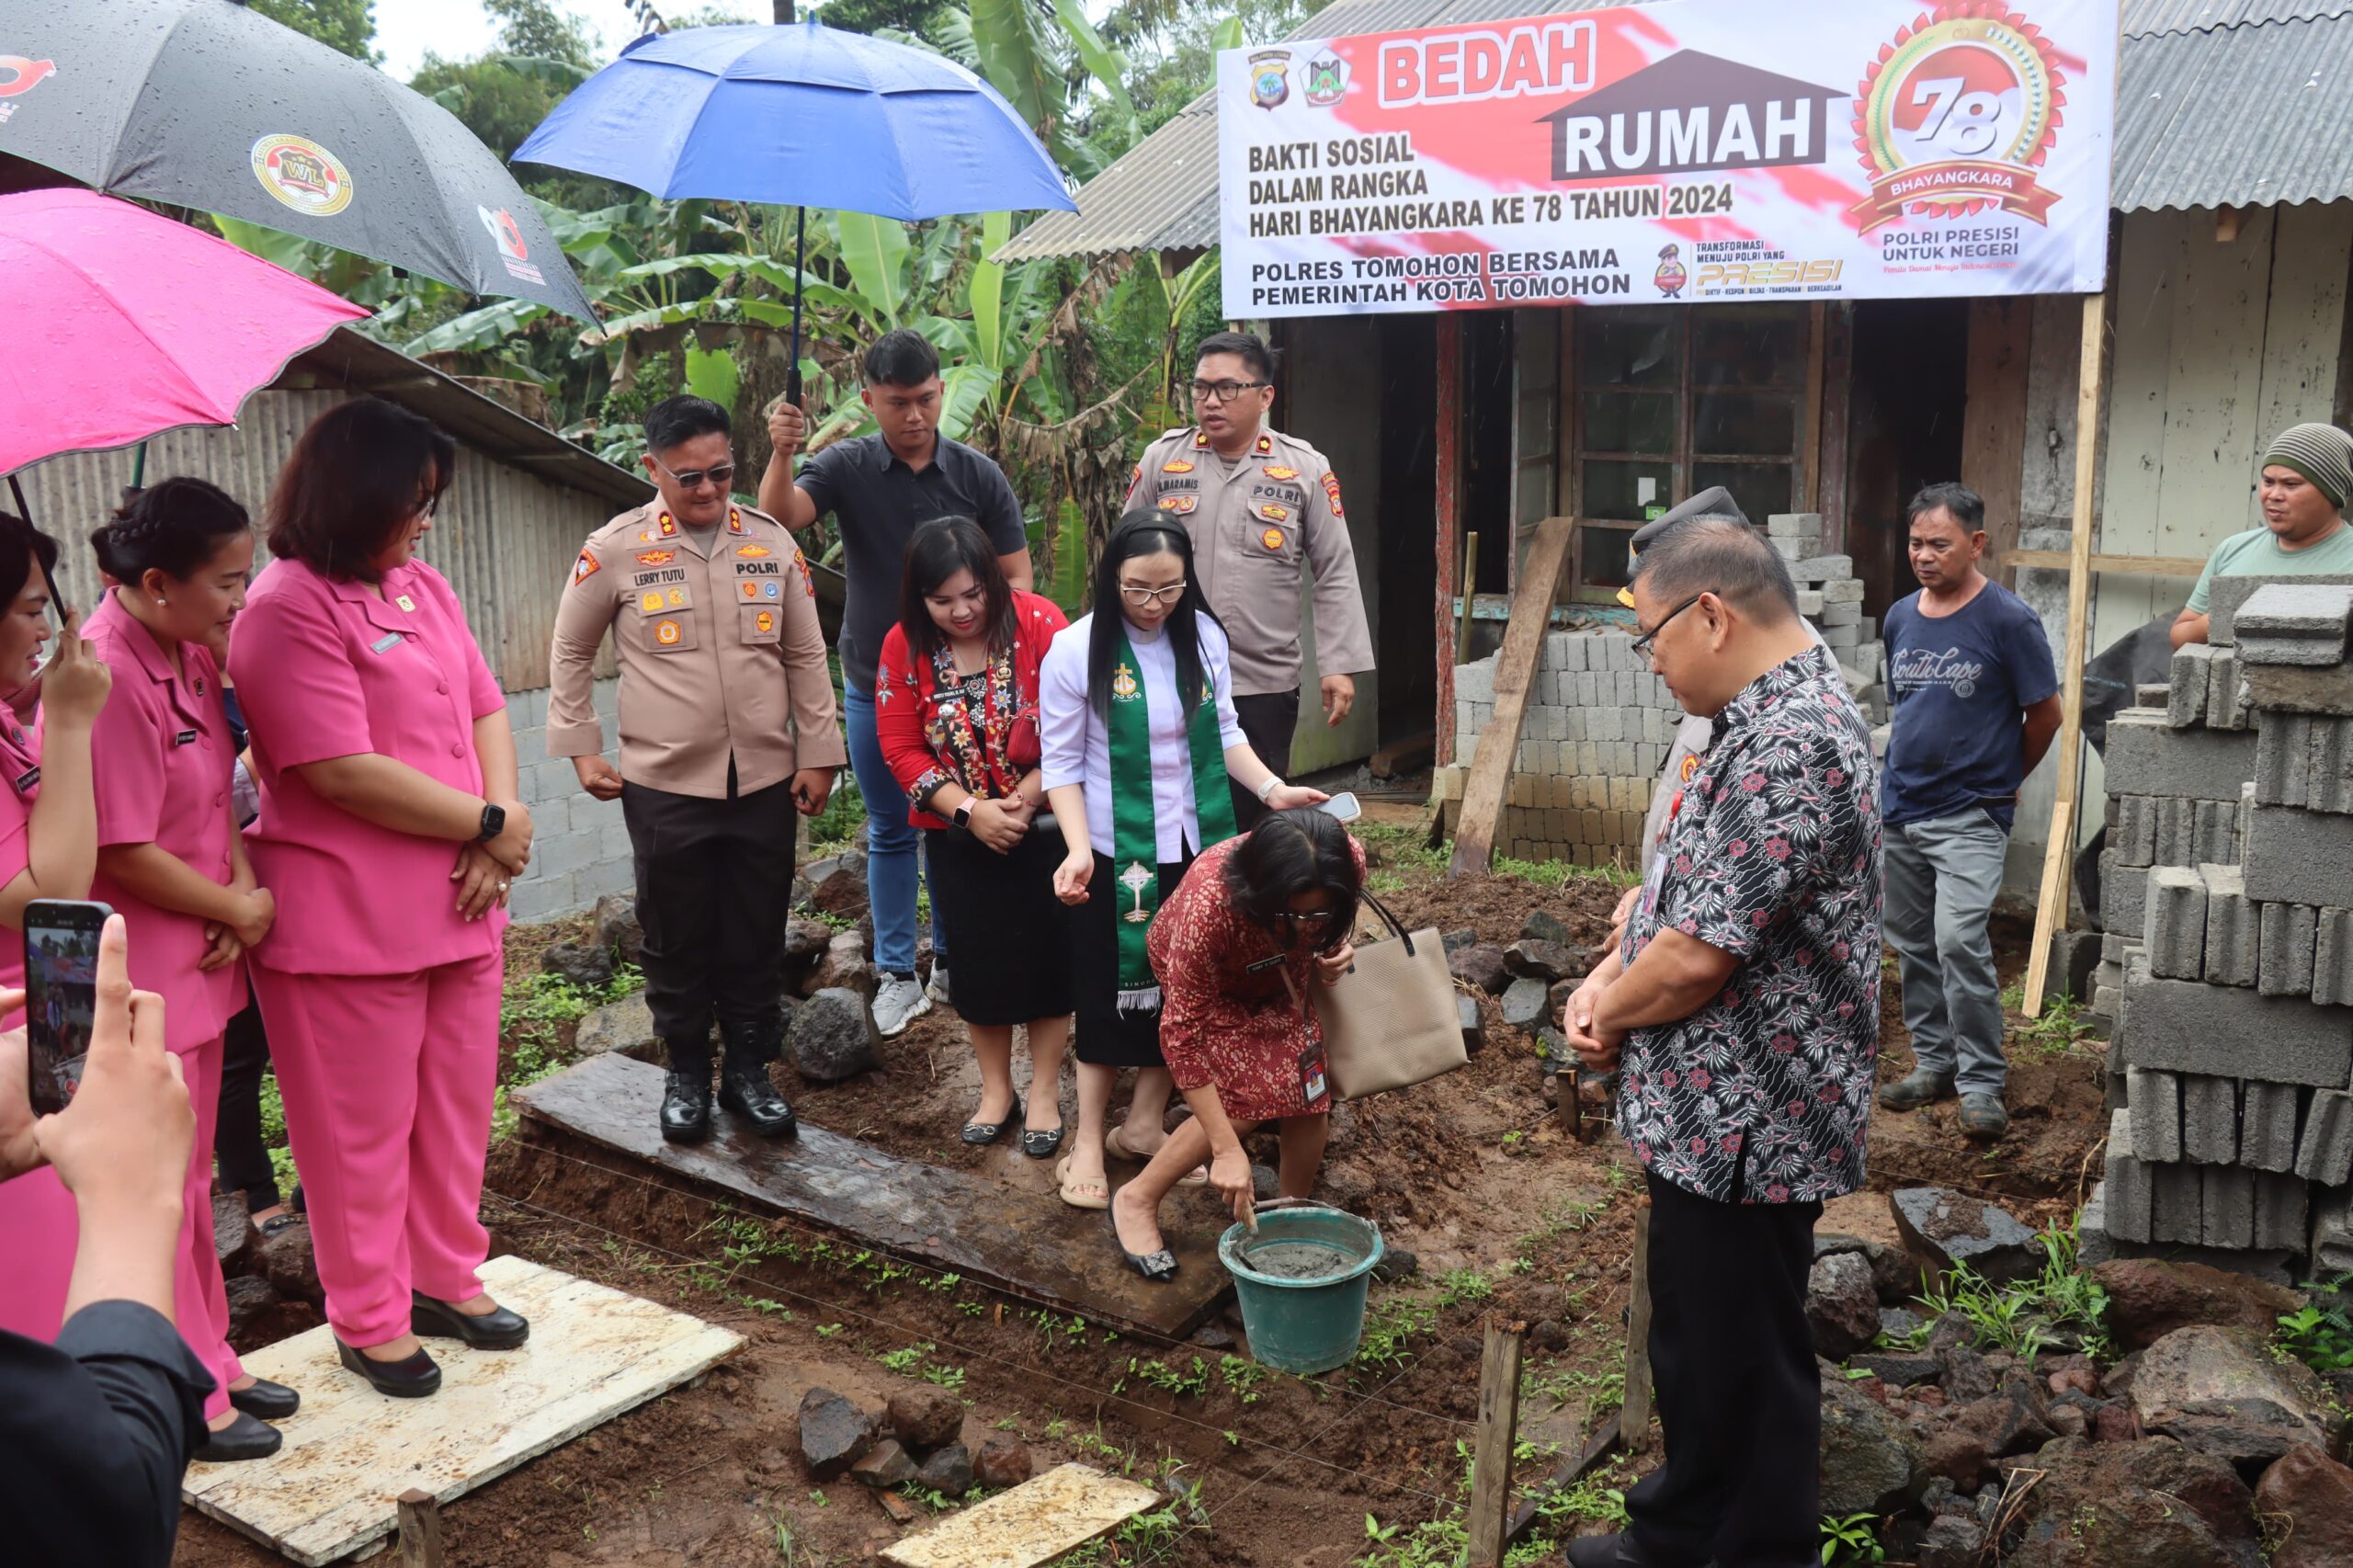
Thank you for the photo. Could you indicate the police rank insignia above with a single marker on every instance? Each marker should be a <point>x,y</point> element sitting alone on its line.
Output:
<point>734,520</point>
<point>1332,493</point>
<point>585,568</point>
<point>1266,444</point>
<point>1275,471</point>
<point>1270,77</point>
<point>667,529</point>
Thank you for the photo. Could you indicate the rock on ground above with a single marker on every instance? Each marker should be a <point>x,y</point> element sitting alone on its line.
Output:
<point>625,1026</point>
<point>2145,1504</point>
<point>948,1470</point>
<point>1840,1305</point>
<point>1524,1003</point>
<point>2194,1375</point>
<point>249,1297</point>
<point>1003,1462</point>
<point>886,1465</point>
<point>585,964</point>
<point>1867,1457</point>
<point>618,931</point>
<point>834,1434</point>
<point>2148,1298</point>
<point>833,1037</point>
<point>232,1231</point>
<point>925,1417</point>
<point>2306,1503</point>
<point>286,1260</point>
<point>1943,1229</point>
<point>1481,965</point>
<point>845,967</point>
<point>842,890</point>
<point>1547,961</point>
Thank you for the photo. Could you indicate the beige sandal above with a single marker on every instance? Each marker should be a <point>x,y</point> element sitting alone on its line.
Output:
<point>1113,1144</point>
<point>1081,1195</point>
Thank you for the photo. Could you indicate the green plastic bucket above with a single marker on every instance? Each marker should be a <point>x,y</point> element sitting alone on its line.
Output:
<point>1301,1318</point>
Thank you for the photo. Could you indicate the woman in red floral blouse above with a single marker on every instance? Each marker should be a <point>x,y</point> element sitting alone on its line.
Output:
<point>1259,926</point>
<point>956,711</point>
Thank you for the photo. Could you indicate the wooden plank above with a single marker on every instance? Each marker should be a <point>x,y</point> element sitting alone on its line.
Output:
<point>351,1455</point>
<point>1033,1523</point>
<point>420,1526</point>
<point>1531,605</point>
<point>1810,442</point>
<point>1470,574</point>
<point>1027,1244</point>
<point>1602,1444</point>
<point>1634,1412</point>
<point>1449,458</point>
<point>2051,907</point>
<point>1993,431</point>
<point>1838,404</point>
<point>1498,1434</point>
<point>2147,565</point>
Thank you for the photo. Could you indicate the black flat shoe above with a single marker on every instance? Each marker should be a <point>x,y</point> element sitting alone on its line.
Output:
<point>980,1133</point>
<point>1041,1145</point>
<point>414,1378</point>
<point>1157,1266</point>
<point>267,1400</point>
<point>498,1329</point>
<point>745,1091</point>
<point>242,1438</point>
<point>685,1104</point>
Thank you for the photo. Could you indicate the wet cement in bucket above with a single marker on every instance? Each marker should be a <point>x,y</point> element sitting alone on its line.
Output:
<point>1298,1259</point>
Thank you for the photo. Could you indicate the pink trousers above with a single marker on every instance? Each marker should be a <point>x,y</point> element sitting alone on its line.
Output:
<point>39,1233</point>
<point>388,1081</point>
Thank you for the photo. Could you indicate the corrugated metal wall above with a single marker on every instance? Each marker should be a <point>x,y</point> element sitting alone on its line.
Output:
<point>505,539</point>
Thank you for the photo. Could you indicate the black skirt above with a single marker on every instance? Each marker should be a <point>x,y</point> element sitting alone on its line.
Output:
<point>1007,934</point>
<point>1107,1036</point>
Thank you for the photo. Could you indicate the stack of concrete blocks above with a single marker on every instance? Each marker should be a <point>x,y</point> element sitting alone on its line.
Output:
<point>1598,724</point>
<point>1831,596</point>
<point>2235,1034</point>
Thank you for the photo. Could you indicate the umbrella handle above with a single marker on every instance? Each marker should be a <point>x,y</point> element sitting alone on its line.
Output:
<point>800,257</point>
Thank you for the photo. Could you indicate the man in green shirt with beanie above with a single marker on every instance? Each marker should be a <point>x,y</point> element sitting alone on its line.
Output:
<point>2307,473</point>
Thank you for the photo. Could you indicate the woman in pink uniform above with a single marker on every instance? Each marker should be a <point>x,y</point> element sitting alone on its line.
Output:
<point>172,862</point>
<point>389,831</point>
<point>48,848</point>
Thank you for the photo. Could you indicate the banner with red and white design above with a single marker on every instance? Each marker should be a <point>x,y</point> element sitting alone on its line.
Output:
<point>1698,151</point>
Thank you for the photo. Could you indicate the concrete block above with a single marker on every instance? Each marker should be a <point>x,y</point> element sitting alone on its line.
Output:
<point>2300,689</point>
<point>2247,815</point>
<point>2112,946</point>
<point>1871,628</point>
<point>1841,637</point>
<point>2225,594</point>
<point>2177,1204</point>
<point>2151,696</point>
<point>2154,1100</point>
<point>1793,525</point>
<point>2132,829</point>
<point>2295,856</point>
<point>1789,550</point>
<point>2229,1207</point>
<point>2226,697</point>
<point>1475,682</point>
<point>2122,895</point>
<point>2232,926</point>
<point>2325,1152</point>
<point>2129,1187</point>
<point>1810,603</point>
<point>2215,841</point>
<point>2175,927</point>
<point>2281,1210</point>
<point>2332,1242</point>
<point>2295,622</point>
<point>2144,757</point>
<point>1845,591</point>
<point>1824,569</point>
<point>2288,934</point>
<point>2228,1031</point>
<point>2176,834</point>
<point>1565,651</point>
<point>2193,669</point>
<point>2268,1118</point>
<point>2209,1120</point>
<point>1837,613</point>
<point>2329,787</point>
<point>2333,958</point>
<point>2283,760</point>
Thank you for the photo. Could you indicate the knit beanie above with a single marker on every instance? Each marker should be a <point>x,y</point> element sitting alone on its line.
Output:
<point>2321,453</point>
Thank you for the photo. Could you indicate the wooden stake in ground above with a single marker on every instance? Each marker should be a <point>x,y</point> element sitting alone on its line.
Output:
<point>1523,649</point>
<point>420,1531</point>
<point>2050,908</point>
<point>1498,1435</point>
<point>1634,1411</point>
<point>1470,590</point>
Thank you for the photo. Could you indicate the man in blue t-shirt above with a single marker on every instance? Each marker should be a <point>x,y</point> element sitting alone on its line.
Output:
<point>1976,704</point>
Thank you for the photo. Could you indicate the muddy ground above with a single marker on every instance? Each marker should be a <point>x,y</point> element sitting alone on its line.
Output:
<point>1472,1174</point>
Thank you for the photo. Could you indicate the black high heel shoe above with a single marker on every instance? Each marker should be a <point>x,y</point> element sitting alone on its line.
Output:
<point>980,1134</point>
<point>242,1438</point>
<point>1158,1267</point>
<point>413,1377</point>
<point>265,1401</point>
<point>498,1329</point>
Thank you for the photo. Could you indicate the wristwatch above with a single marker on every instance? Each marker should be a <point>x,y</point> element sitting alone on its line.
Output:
<point>494,822</point>
<point>964,813</point>
<point>1269,788</point>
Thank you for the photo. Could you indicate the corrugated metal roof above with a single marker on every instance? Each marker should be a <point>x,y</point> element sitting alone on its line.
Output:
<point>2220,103</point>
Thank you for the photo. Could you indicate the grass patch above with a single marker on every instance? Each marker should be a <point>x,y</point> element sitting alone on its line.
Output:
<point>2026,1318</point>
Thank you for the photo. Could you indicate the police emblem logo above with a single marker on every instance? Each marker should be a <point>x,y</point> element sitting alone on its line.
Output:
<point>677,598</point>
<point>302,175</point>
<point>667,633</point>
<point>1327,81</point>
<point>764,621</point>
<point>751,590</point>
<point>1270,77</point>
<point>585,568</point>
<point>1275,513</point>
<point>1180,505</point>
<point>651,602</point>
<point>1332,495</point>
<point>1177,465</point>
<point>1123,684</point>
<point>656,556</point>
<point>1272,539</point>
<point>1275,471</point>
<point>752,551</point>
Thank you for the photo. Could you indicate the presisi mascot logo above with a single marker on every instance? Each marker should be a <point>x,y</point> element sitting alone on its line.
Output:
<point>1671,276</point>
<point>1270,77</point>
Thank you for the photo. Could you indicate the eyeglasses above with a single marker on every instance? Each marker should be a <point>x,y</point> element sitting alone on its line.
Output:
<point>1144,598</point>
<point>1642,643</point>
<point>1224,392</point>
<point>1306,917</point>
<point>693,477</point>
<point>429,505</point>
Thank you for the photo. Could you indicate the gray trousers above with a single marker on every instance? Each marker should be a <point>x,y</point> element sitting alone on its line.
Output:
<point>1943,875</point>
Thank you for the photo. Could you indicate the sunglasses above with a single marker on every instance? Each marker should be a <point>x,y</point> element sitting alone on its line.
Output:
<point>695,478</point>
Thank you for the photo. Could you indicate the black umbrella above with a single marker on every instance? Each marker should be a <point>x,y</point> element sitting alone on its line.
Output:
<point>205,104</point>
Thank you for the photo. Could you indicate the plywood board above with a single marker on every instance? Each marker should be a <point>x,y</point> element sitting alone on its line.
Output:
<point>2153,263</point>
<point>350,1452</point>
<point>1025,1243</point>
<point>2304,335</point>
<point>2214,395</point>
<point>1035,1522</point>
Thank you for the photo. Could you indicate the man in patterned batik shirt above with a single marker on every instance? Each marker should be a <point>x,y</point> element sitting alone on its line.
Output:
<point>1744,1009</point>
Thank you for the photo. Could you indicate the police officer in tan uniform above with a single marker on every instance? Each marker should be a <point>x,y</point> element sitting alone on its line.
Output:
<point>713,617</point>
<point>1261,506</point>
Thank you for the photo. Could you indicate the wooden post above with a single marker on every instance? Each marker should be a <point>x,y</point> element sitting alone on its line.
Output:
<point>1634,1413</point>
<point>1498,1434</point>
<point>420,1531</point>
<point>1449,457</point>
<point>2050,908</point>
<point>1469,590</point>
<point>1523,649</point>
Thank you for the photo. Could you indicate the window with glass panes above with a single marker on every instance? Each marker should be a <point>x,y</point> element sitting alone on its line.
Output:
<point>1685,398</point>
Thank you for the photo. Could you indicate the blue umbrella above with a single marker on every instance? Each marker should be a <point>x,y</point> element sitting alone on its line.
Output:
<point>801,116</point>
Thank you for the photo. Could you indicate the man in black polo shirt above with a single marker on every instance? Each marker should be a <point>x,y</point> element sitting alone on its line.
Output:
<point>882,487</point>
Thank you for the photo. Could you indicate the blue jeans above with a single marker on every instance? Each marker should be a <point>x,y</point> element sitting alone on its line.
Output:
<point>892,845</point>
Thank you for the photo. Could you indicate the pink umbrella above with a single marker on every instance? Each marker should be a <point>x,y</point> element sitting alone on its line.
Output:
<point>124,325</point>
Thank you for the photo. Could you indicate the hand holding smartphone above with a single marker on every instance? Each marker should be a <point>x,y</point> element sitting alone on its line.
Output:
<point>60,994</point>
<point>1343,806</point>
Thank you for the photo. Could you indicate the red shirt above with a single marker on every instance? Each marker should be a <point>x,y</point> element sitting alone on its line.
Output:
<point>929,735</point>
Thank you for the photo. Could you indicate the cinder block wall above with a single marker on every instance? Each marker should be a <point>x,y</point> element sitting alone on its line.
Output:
<point>579,849</point>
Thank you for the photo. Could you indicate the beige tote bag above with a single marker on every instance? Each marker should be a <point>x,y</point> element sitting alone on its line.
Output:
<point>1390,1022</point>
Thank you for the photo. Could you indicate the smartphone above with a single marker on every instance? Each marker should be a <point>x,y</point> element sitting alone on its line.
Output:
<point>60,994</point>
<point>1343,806</point>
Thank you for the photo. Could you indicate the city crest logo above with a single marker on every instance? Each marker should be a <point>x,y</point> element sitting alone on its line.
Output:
<point>1957,114</point>
<point>303,175</point>
<point>1327,80</point>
